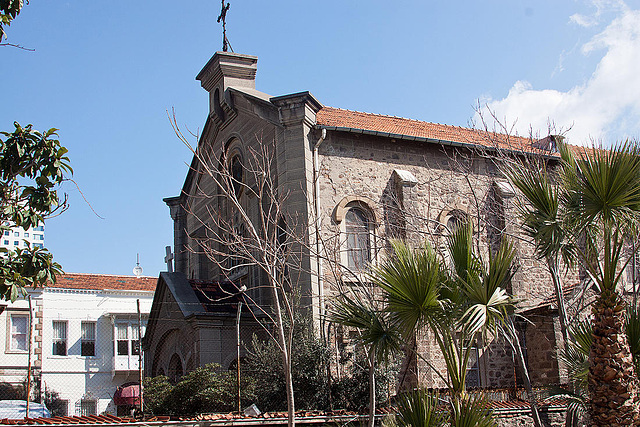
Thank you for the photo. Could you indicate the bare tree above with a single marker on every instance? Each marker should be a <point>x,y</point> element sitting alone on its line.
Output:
<point>246,226</point>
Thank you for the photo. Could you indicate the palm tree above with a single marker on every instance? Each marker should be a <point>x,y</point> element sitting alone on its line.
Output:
<point>576,358</point>
<point>419,408</point>
<point>543,220</point>
<point>601,191</point>
<point>459,307</point>
<point>376,331</point>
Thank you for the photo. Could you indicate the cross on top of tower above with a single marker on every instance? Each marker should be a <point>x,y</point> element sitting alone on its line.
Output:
<point>223,17</point>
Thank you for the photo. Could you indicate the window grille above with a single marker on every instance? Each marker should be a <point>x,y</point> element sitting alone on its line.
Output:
<point>358,238</point>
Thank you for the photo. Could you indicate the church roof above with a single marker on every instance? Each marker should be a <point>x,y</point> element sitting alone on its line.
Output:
<point>399,127</point>
<point>104,282</point>
<point>217,297</point>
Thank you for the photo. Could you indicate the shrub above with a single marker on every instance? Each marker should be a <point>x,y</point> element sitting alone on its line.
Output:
<point>204,390</point>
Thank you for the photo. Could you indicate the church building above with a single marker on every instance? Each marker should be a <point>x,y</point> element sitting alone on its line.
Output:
<point>348,182</point>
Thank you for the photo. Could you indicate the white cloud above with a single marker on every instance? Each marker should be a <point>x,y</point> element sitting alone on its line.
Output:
<point>601,7</point>
<point>606,106</point>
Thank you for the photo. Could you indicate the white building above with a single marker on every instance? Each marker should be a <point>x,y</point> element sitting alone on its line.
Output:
<point>16,237</point>
<point>85,338</point>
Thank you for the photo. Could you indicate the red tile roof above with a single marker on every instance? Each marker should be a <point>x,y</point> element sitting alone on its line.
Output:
<point>353,120</point>
<point>104,281</point>
<point>501,409</point>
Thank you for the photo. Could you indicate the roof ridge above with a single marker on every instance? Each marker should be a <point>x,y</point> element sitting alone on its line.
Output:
<point>106,275</point>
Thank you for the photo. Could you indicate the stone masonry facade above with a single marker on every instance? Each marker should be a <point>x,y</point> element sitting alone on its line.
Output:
<point>411,180</point>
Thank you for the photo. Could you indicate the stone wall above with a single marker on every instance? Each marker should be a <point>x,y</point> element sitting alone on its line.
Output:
<point>366,168</point>
<point>549,418</point>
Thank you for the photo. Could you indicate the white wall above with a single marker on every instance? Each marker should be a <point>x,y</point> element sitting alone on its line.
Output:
<point>13,363</point>
<point>75,376</point>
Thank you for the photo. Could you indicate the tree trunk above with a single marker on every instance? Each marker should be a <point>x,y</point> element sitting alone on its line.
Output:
<point>562,311</point>
<point>613,383</point>
<point>286,357</point>
<point>372,389</point>
<point>515,345</point>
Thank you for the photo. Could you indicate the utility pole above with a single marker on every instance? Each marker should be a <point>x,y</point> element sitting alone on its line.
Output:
<point>238,354</point>
<point>140,359</point>
<point>29,357</point>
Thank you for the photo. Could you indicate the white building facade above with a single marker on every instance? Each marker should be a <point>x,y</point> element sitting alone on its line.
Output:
<point>17,237</point>
<point>85,338</point>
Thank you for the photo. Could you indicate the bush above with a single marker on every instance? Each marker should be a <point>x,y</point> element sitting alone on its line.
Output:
<point>310,365</point>
<point>309,362</point>
<point>206,389</point>
<point>156,392</point>
<point>351,392</point>
<point>54,404</point>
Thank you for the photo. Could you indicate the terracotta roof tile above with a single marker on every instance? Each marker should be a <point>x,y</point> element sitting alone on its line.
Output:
<point>354,120</point>
<point>104,281</point>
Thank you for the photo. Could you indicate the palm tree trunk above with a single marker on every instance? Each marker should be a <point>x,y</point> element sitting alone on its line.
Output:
<point>562,310</point>
<point>512,337</point>
<point>613,383</point>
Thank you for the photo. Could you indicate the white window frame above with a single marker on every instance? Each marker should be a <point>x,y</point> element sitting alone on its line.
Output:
<point>10,333</point>
<point>84,339</point>
<point>132,332</point>
<point>64,339</point>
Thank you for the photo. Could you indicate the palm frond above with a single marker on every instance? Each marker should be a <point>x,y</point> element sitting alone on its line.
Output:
<point>472,411</point>
<point>488,300</point>
<point>375,327</point>
<point>577,402</point>
<point>541,217</point>
<point>411,281</point>
<point>419,408</point>
<point>632,328</point>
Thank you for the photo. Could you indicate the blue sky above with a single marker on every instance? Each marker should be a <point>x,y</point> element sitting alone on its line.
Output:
<point>105,73</point>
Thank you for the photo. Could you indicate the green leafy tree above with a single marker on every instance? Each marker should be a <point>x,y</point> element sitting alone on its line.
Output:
<point>9,10</point>
<point>309,361</point>
<point>32,166</point>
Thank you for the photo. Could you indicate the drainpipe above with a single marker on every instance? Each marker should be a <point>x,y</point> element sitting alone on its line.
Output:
<point>316,205</point>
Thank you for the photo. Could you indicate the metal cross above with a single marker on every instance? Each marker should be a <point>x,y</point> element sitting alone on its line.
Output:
<point>223,18</point>
<point>168,259</point>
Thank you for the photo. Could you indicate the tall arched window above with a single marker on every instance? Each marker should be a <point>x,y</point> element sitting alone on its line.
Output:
<point>358,238</point>
<point>455,219</point>
<point>175,368</point>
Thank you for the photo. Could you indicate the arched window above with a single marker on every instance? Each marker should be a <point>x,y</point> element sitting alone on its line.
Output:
<point>175,368</point>
<point>358,238</point>
<point>455,219</point>
<point>236,173</point>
